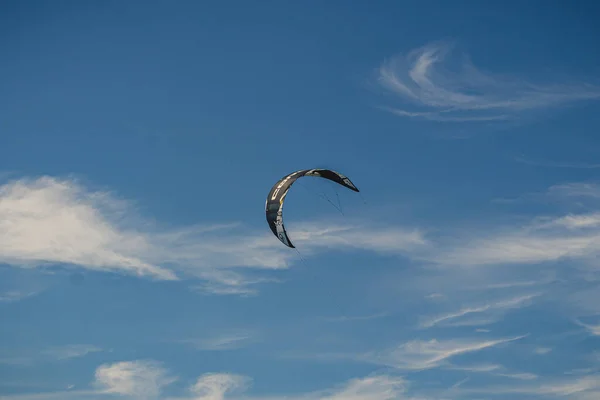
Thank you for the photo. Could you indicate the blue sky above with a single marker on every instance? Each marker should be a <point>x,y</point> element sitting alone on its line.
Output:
<point>138,142</point>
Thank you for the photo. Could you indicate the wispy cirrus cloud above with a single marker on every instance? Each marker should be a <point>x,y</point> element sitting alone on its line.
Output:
<point>465,93</point>
<point>15,295</point>
<point>224,341</point>
<point>564,193</point>
<point>575,190</point>
<point>543,239</point>
<point>554,254</point>
<point>593,329</point>
<point>99,231</point>
<point>575,388</point>
<point>494,369</point>
<point>71,351</point>
<point>54,353</point>
<point>422,355</point>
<point>492,310</point>
<point>381,387</point>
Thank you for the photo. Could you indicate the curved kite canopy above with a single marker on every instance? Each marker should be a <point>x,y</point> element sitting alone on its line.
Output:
<point>274,204</point>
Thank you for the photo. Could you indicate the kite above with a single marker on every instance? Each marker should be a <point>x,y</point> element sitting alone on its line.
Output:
<point>274,203</point>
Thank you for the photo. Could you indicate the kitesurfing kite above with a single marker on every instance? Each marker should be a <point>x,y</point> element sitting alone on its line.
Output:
<point>274,203</point>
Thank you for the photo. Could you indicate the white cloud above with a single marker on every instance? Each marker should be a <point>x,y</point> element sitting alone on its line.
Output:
<point>593,329</point>
<point>421,355</point>
<point>576,189</point>
<point>566,244</point>
<point>226,386</point>
<point>225,341</point>
<point>379,387</point>
<point>524,376</point>
<point>476,368</point>
<point>521,248</point>
<point>467,94</point>
<point>127,380</point>
<point>574,195</point>
<point>578,221</point>
<point>15,295</point>
<point>375,387</point>
<point>494,369</point>
<point>71,351</point>
<point>214,386</point>
<point>138,379</point>
<point>52,221</point>
<point>496,308</point>
<point>31,357</point>
<point>542,350</point>
<point>551,239</point>
<point>580,388</point>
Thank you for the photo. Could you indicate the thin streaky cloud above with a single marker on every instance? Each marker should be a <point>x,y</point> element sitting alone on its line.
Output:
<point>467,93</point>
<point>460,383</point>
<point>61,395</point>
<point>574,221</point>
<point>575,189</point>
<point>16,295</point>
<point>524,376</point>
<point>495,370</point>
<point>514,302</point>
<point>570,195</point>
<point>580,388</point>
<point>71,351</point>
<point>435,296</point>
<point>228,282</point>
<point>506,285</point>
<point>377,387</point>
<point>225,341</point>
<point>472,321</point>
<point>51,354</point>
<point>435,116</point>
<point>593,329</point>
<point>212,288</point>
<point>422,355</point>
<point>575,236</point>
<point>476,368</point>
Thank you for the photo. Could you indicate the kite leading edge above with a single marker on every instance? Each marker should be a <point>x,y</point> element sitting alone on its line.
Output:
<point>274,203</point>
